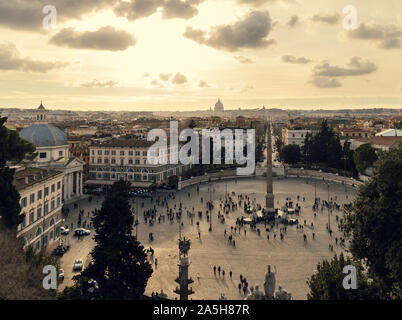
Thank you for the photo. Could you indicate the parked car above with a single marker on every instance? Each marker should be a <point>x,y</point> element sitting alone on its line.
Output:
<point>78,264</point>
<point>64,231</point>
<point>61,274</point>
<point>60,250</point>
<point>82,232</point>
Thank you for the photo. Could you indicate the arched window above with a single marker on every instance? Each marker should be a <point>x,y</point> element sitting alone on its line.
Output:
<point>52,222</point>
<point>39,231</point>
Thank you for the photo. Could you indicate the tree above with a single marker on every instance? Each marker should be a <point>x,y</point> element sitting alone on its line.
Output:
<point>12,148</point>
<point>290,154</point>
<point>375,222</point>
<point>119,263</point>
<point>327,283</point>
<point>364,157</point>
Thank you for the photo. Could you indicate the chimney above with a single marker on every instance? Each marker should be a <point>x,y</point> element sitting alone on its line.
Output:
<point>27,179</point>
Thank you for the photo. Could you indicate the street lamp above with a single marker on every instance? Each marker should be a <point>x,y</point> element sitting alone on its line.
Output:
<point>329,220</point>
<point>210,206</point>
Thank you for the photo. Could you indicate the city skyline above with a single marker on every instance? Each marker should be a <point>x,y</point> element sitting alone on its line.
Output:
<point>162,55</point>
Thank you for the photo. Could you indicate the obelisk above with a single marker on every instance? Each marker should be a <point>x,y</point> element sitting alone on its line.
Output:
<point>269,197</point>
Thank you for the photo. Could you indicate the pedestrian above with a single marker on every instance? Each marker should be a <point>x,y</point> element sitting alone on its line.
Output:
<point>267,236</point>
<point>219,270</point>
<point>214,269</point>
<point>313,235</point>
<point>245,231</point>
<point>223,273</point>
<point>239,286</point>
<point>230,274</point>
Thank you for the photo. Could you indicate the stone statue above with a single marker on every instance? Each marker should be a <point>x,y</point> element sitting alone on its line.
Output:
<point>269,284</point>
<point>282,294</point>
<point>255,294</point>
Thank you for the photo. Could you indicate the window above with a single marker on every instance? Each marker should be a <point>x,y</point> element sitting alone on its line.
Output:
<point>113,161</point>
<point>137,161</point>
<point>53,187</point>
<point>37,245</point>
<point>99,160</point>
<point>137,153</point>
<point>39,213</point>
<point>58,201</point>
<point>122,153</point>
<point>32,198</point>
<point>58,185</point>
<point>46,211</point>
<point>144,153</point>
<point>31,217</point>
<point>122,162</point>
<point>145,161</point>
<point>144,178</point>
<point>93,160</point>
<point>24,202</point>
<point>60,153</point>
<point>51,234</point>
<point>39,194</point>
<point>42,155</point>
<point>23,223</point>
<point>113,152</point>
<point>113,176</point>
<point>106,152</point>
<point>46,191</point>
<point>130,153</point>
<point>99,152</point>
<point>130,161</point>
<point>106,160</point>
<point>52,206</point>
<point>93,152</point>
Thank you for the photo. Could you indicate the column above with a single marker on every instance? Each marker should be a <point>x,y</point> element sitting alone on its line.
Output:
<point>81,178</point>
<point>70,185</point>
<point>77,184</point>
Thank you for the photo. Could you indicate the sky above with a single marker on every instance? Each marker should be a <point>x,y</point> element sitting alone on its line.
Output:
<point>183,55</point>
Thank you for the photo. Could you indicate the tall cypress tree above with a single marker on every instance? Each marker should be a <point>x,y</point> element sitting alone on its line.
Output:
<point>12,148</point>
<point>119,263</point>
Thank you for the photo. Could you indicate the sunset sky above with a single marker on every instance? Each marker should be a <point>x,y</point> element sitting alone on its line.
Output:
<point>185,54</point>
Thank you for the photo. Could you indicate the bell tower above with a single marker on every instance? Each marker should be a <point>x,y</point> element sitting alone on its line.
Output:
<point>40,114</point>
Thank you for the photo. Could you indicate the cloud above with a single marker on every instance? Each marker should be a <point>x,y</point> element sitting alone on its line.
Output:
<point>293,21</point>
<point>386,37</point>
<point>242,59</point>
<point>250,32</point>
<point>180,9</point>
<point>327,18</point>
<point>10,60</point>
<point>99,84</point>
<point>355,67</point>
<point>179,78</point>
<point>321,82</point>
<point>165,76</point>
<point>203,84</point>
<point>157,84</point>
<point>105,38</point>
<point>258,3</point>
<point>292,59</point>
<point>137,9</point>
<point>324,74</point>
<point>27,14</point>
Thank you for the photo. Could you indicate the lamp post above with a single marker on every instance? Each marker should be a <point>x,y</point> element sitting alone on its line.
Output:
<point>210,205</point>
<point>329,219</point>
<point>344,158</point>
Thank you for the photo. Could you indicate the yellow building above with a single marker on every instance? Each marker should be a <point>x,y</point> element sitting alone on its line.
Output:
<point>41,203</point>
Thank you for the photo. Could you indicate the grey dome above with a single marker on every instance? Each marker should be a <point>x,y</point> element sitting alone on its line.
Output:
<point>44,135</point>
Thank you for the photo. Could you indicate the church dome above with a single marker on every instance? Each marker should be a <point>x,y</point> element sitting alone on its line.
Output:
<point>219,106</point>
<point>44,135</point>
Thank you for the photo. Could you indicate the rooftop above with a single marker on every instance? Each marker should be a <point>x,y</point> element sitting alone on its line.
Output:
<point>124,143</point>
<point>26,178</point>
<point>390,142</point>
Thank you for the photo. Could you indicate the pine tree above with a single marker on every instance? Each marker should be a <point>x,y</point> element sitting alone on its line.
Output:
<point>119,263</point>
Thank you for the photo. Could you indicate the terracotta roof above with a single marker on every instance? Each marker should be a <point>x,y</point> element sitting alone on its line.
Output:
<point>390,142</point>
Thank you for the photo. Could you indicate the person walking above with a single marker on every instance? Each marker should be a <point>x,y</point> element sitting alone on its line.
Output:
<point>214,269</point>
<point>219,270</point>
<point>230,274</point>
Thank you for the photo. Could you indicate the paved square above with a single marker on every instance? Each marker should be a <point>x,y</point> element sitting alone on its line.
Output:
<point>294,259</point>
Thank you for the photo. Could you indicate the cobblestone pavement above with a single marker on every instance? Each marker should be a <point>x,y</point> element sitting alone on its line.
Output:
<point>294,259</point>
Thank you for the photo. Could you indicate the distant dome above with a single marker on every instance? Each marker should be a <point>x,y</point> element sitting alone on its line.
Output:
<point>44,135</point>
<point>219,106</point>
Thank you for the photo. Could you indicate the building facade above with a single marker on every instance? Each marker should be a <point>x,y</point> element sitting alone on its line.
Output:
<point>295,136</point>
<point>41,203</point>
<point>127,160</point>
<point>53,153</point>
